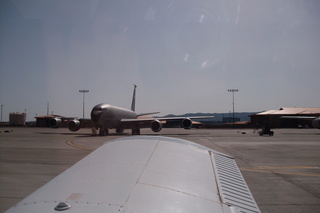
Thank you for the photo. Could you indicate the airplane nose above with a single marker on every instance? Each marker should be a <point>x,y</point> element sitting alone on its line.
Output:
<point>95,115</point>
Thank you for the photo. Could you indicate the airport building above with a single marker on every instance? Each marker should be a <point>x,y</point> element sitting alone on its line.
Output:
<point>17,119</point>
<point>276,118</point>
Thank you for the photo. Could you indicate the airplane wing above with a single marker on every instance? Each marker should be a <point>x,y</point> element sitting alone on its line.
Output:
<point>186,122</point>
<point>164,119</point>
<point>299,117</point>
<point>146,174</point>
<point>181,118</point>
<point>56,122</point>
<point>315,120</point>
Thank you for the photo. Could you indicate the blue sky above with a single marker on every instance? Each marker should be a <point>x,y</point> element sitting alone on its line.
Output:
<point>183,55</point>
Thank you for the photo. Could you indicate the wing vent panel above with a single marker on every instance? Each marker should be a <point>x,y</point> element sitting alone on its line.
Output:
<point>232,186</point>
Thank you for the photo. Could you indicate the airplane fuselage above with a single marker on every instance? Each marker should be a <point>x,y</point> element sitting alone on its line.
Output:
<point>316,123</point>
<point>108,116</point>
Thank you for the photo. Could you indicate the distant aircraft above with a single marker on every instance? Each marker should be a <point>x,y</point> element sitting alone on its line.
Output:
<point>105,117</point>
<point>315,120</point>
<point>146,174</point>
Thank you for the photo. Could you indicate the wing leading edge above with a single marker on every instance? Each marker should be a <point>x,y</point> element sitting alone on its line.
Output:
<point>145,174</point>
<point>145,122</point>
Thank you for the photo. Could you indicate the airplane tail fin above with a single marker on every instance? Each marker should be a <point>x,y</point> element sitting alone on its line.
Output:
<point>133,104</point>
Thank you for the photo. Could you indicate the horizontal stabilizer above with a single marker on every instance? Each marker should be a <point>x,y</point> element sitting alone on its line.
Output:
<point>148,113</point>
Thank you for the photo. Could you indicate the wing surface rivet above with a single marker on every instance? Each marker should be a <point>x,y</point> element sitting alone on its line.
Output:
<point>62,206</point>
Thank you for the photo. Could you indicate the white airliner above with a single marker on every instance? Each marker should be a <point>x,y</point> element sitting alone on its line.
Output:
<point>105,117</point>
<point>314,120</point>
<point>145,174</point>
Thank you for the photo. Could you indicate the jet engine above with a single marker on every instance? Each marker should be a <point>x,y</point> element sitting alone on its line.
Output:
<point>156,126</point>
<point>186,123</point>
<point>54,122</point>
<point>74,125</point>
<point>316,123</point>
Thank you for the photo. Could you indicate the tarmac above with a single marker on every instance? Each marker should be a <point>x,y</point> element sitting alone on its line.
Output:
<point>282,172</point>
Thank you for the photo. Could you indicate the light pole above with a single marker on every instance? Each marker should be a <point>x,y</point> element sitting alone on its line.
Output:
<point>233,91</point>
<point>1,113</point>
<point>83,91</point>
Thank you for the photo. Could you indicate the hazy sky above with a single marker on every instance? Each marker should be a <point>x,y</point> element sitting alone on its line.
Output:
<point>184,55</point>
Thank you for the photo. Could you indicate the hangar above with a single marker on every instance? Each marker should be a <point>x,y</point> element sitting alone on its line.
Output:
<point>273,118</point>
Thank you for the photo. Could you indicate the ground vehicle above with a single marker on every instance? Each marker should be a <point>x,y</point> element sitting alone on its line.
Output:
<point>266,131</point>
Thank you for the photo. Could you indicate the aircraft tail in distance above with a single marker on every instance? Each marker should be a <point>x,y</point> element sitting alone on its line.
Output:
<point>133,104</point>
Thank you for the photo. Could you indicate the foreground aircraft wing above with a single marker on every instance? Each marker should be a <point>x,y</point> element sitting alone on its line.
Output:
<point>145,174</point>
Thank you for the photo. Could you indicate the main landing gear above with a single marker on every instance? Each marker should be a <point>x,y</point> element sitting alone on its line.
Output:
<point>135,131</point>
<point>103,132</point>
<point>119,131</point>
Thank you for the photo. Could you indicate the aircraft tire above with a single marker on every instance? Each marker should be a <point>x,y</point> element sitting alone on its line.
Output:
<point>103,132</point>
<point>135,131</point>
<point>119,131</point>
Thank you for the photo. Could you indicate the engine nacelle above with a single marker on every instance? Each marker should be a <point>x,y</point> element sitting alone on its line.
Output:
<point>54,122</point>
<point>316,123</point>
<point>186,123</point>
<point>74,125</point>
<point>156,126</point>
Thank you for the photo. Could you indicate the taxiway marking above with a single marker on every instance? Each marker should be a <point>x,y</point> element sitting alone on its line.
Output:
<point>70,143</point>
<point>272,170</point>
